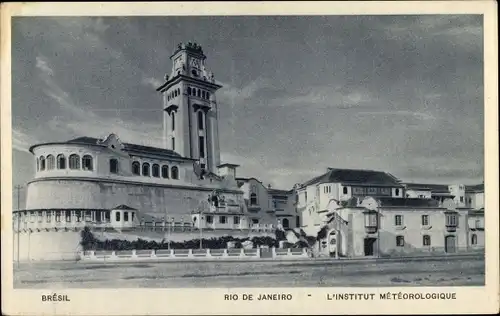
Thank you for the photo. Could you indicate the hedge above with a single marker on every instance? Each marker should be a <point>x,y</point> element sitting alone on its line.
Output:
<point>89,242</point>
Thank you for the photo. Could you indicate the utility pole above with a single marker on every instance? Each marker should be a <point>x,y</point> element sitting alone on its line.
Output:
<point>18,188</point>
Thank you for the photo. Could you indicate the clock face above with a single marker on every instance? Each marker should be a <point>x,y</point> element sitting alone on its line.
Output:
<point>195,63</point>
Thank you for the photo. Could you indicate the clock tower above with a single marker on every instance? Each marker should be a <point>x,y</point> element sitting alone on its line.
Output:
<point>190,118</point>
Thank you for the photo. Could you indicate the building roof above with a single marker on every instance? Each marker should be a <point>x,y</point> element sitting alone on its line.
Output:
<point>133,148</point>
<point>407,202</point>
<point>278,191</point>
<point>435,188</point>
<point>124,207</point>
<point>474,188</point>
<point>356,177</point>
<point>228,165</point>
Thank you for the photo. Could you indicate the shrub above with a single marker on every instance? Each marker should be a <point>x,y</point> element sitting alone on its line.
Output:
<point>89,242</point>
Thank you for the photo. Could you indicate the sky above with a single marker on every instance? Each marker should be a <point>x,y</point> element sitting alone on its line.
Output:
<point>402,94</point>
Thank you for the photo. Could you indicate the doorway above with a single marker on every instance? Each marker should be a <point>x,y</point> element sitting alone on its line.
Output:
<point>286,223</point>
<point>370,246</point>
<point>450,244</point>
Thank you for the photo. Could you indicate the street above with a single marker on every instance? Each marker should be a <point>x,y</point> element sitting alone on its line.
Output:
<point>324,273</point>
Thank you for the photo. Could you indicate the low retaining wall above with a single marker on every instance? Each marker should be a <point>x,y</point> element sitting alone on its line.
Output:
<point>193,254</point>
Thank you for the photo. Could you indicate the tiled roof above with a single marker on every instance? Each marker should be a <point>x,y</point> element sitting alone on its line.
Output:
<point>355,177</point>
<point>128,147</point>
<point>395,202</point>
<point>475,188</point>
<point>435,188</point>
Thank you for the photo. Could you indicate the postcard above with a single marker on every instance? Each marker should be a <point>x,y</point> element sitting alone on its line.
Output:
<point>235,158</point>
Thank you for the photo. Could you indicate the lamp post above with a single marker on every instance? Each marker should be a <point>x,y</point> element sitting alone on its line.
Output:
<point>18,218</point>
<point>168,231</point>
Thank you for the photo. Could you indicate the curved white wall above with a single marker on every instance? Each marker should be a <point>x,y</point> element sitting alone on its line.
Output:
<point>102,194</point>
<point>38,246</point>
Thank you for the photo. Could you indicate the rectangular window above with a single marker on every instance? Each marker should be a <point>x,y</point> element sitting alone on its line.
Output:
<point>426,241</point>
<point>68,216</point>
<point>40,217</point>
<point>201,143</point>
<point>372,190</point>
<point>385,191</point>
<point>255,220</point>
<point>117,216</point>
<point>133,216</point>
<point>210,220</point>
<point>173,143</point>
<point>451,220</point>
<point>461,199</point>
<point>358,190</point>
<point>425,220</point>
<point>125,216</point>
<point>222,219</point>
<point>58,216</point>
<point>78,215</point>
<point>107,215</point>
<point>398,220</point>
<point>305,196</point>
<point>48,214</point>
<point>236,220</point>
<point>98,216</point>
<point>400,241</point>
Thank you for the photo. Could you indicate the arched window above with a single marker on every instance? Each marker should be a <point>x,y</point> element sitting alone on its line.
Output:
<point>344,190</point>
<point>189,90</point>
<point>87,163</point>
<point>156,171</point>
<point>164,172</point>
<point>178,91</point>
<point>175,93</point>
<point>473,240</point>
<point>42,163</point>
<point>203,94</point>
<point>145,169</point>
<point>50,162</point>
<point>207,95</point>
<point>74,161</point>
<point>200,120</point>
<point>175,173</point>
<point>253,199</point>
<point>61,161</point>
<point>136,168</point>
<point>426,240</point>
<point>173,121</point>
<point>113,165</point>
<point>286,224</point>
<point>199,93</point>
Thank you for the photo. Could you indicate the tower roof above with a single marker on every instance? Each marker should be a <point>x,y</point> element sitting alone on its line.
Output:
<point>191,47</point>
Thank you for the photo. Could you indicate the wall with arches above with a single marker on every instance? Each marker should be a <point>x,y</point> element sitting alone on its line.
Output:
<point>92,161</point>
